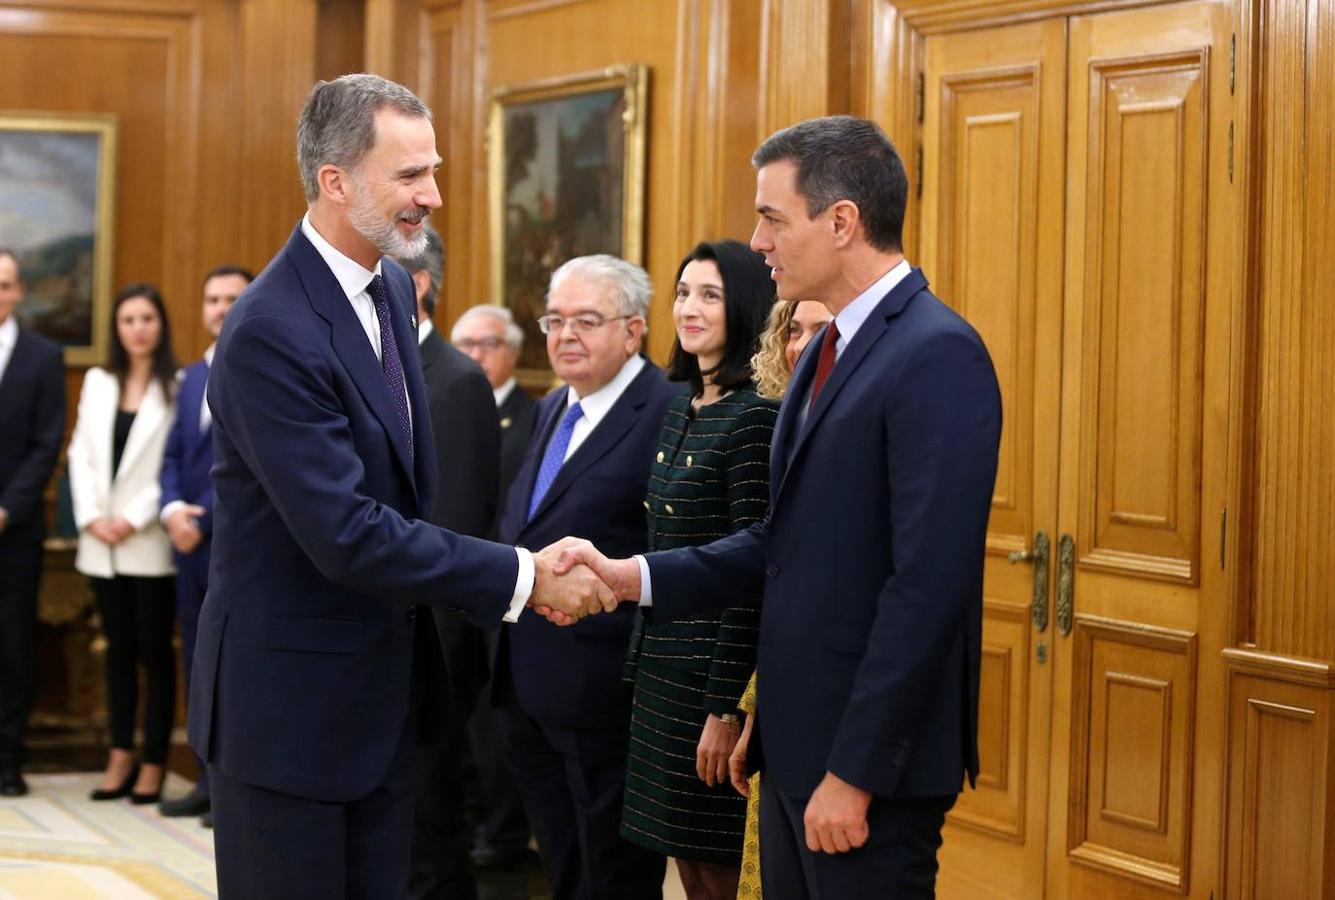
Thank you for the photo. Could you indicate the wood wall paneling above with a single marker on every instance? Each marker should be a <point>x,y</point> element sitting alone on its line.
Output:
<point>1280,804</point>
<point>1289,608</point>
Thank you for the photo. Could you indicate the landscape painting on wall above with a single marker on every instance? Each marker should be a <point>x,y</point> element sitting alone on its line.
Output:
<point>566,174</point>
<point>56,195</point>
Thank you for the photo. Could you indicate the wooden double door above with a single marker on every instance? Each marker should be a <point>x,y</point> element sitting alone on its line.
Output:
<point>1078,207</point>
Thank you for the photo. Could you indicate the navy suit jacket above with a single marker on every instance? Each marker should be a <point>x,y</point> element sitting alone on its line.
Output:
<point>571,677</point>
<point>32,423</point>
<point>302,674</point>
<point>871,559</point>
<point>189,453</point>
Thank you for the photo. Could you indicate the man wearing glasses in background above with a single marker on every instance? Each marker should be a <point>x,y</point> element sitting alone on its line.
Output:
<point>563,708</point>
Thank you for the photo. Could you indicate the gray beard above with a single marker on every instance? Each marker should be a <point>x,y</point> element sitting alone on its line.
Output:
<point>382,233</point>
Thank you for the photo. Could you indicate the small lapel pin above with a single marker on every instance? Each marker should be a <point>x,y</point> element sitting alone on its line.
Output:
<point>413,319</point>
<point>506,422</point>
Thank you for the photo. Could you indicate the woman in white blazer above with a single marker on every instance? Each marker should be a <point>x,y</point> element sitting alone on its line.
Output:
<point>115,458</point>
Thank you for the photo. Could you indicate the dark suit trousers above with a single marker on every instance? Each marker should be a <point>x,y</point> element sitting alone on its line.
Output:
<point>269,844</point>
<point>20,577</point>
<point>573,784</point>
<point>191,584</point>
<point>898,861</point>
<point>500,825</point>
<point>441,868</point>
<point>137,615</point>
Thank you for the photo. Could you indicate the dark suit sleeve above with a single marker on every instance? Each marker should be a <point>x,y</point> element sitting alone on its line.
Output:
<point>468,461</point>
<point>276,400</point>
<point>22,496</point>
<point>942,427</point>
<point>710,578</point>
<point>746,457</point>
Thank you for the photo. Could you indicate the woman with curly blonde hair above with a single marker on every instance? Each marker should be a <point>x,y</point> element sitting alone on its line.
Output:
<point>790,327</point>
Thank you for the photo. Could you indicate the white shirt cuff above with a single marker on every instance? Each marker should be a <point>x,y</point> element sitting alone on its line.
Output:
<point>169,510</point>
<point>646,594</point>
<point>523,586</point>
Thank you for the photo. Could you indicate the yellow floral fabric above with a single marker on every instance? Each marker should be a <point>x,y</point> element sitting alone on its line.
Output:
<point>748,886</point>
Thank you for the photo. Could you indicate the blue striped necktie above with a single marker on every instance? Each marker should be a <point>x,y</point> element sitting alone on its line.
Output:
<point>554,457</point>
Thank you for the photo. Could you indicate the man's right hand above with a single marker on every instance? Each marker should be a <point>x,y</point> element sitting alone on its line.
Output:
<point>183,528</point>
<point>566,596</point>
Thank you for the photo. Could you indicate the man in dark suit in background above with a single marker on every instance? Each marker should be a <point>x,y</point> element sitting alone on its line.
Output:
<point>313,673</point>
<point>563,708</point>
<point>468,444</point>
<point>489,335</point>
<point>32,424</point>
<point>871,558</point>
<point>501,832</point>
<point>187,499</point>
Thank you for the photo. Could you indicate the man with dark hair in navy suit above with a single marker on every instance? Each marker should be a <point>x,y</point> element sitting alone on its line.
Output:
<point>32,424</point>
<point>313,671</point>
<point>563,708</point>
<point>187,498</point>
<point>871,558</point>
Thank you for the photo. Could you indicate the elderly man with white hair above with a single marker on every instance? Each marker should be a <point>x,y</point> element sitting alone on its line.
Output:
<point>563,708</point>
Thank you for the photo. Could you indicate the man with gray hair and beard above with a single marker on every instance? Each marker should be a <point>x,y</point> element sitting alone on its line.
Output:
<point>313,671</point>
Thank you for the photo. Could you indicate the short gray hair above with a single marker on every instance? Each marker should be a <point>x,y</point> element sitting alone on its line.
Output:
<point>630,284</point>
<point>337,124</point>
<point>432,261</point>
<point>514,335</point>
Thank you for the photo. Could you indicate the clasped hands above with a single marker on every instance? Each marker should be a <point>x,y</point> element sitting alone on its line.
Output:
<point>573,580</point>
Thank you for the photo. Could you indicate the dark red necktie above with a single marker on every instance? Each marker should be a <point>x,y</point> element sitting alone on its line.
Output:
<point>825,364</point>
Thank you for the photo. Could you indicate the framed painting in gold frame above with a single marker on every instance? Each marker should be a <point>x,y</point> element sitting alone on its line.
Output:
<point>566,172</point>
<point>57,200</point>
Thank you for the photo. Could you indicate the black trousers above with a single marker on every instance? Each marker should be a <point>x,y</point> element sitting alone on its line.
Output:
<point>20,578</point>
<point>499,823</point>
<point>573,783</point>
<point>273,845</point>
<point>441,868</point>
<point>192,572</point>
<point>137,615</point>
<point>898,861</point>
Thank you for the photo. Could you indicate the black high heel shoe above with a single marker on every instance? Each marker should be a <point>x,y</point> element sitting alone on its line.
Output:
<point>139,799</point>
<point>116,793</point>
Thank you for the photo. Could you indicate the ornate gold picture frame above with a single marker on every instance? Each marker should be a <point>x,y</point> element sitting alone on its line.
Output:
<point>566,176</point>
<point>57,202</point>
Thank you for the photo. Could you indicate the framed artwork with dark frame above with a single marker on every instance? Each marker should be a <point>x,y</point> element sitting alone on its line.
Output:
<point>566,171</point>
<point>57,196</point>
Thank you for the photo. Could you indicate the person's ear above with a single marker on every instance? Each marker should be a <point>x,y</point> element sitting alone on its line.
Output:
<point>845,220</point>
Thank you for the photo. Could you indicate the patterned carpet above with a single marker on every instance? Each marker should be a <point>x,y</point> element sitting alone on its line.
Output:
<point>57,843</point>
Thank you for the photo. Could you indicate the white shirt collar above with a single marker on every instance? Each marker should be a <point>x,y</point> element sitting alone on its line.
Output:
<point>352,276</point>
<point>852,316</point>
<point>597,404</point>
<point>424,328</point>
<point>9,332</point>
<point>208,354</point>
<point>503,392</point>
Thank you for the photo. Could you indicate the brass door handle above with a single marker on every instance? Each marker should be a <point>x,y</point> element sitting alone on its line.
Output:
<point>1038,609</point>
<point>1065,584</point>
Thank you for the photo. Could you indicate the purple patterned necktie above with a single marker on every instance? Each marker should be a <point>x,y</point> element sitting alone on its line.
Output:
<point>389,349</point>
<point>554,457</point>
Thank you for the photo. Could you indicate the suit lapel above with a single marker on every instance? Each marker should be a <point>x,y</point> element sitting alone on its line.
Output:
<point>619,420</point>
<point>191,404</point>
<point>866,337</point>
<point>348,337</point>
<point>786,424</point>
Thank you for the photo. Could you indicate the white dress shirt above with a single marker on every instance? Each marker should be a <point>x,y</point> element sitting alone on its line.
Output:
<point>423,329</point>
<point>9,336</point>
<point>849,320</point>
<point>503,392</point>
<point>354,279</point>
<point>597,405</point>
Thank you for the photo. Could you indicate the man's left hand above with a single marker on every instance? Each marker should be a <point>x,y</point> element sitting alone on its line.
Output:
<point>836,816</point>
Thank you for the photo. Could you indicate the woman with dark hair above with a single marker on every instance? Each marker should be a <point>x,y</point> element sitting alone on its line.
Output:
<point>115,458</point>
<point>709,478</point>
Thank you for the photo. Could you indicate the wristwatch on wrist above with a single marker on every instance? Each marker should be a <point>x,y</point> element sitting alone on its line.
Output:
<point>730,719</point>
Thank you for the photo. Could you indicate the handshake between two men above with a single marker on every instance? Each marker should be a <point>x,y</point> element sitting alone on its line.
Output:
<point>573,580</point>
